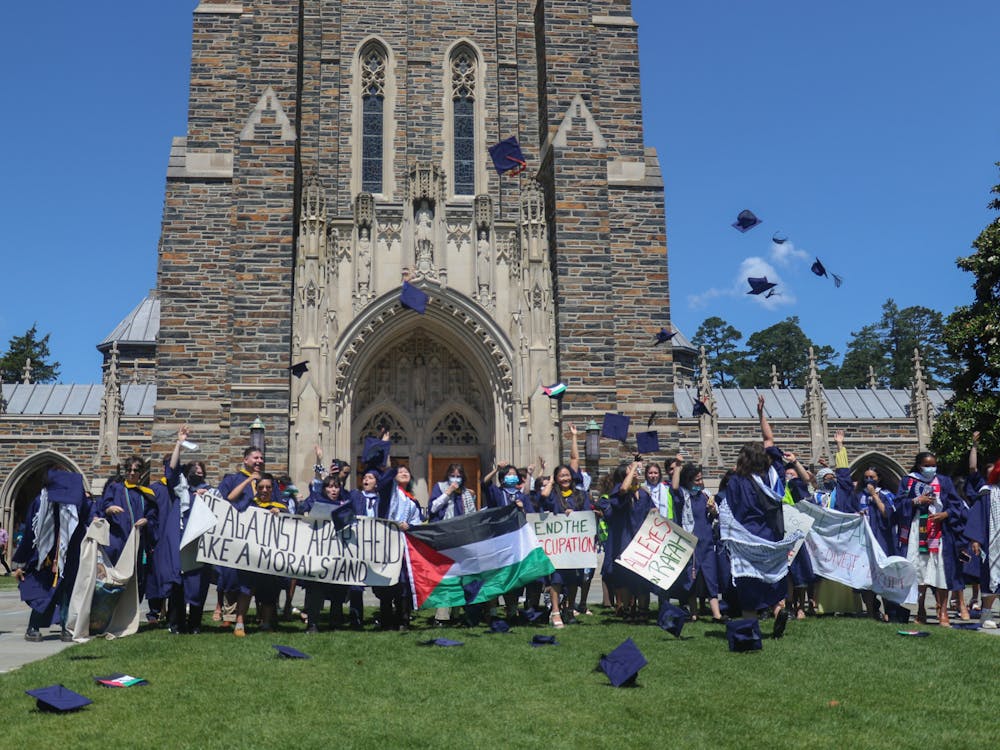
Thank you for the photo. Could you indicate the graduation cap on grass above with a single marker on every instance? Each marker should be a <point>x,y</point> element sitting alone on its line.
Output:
<point>443,642</point>
<point>623,664</point>
<point>507,157</point>
<point>556,390</point>
<point>744,635</point>
<point>647,442</point>
<point>413,298</point>
<point>759,284</point>
<point>299,369</point>
<point>746,220</point>
<point>531,614</point>
<point>543,640</point>
<point>672,618</point>
<point>120,680</point>
<point>664,336</point>
<point>58,699</point>
<point>287,652</point>
<point>499,626</point>
<point>615,426</point>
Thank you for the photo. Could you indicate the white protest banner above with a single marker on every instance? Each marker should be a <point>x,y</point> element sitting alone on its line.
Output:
<point>200,519</point>
<point>568,540</point>
<point>659,551</point>
<point>795,521</point>
<point>751,556</point>
<point>367,553</point>
<point>844,549</point>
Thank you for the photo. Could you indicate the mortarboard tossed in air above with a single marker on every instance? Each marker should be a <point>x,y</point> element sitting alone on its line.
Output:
<point>615,426</point>
<point>507,157</point>
<point>746,220</point>
<point>647,442</point>
<point>672,618</point>
<point>120,680</point>
<point>58,699</point>
<point>376,452</point>
<point>413,298</point>
<point>779,238</point>
<point>556,390</point>
<point>443,642</point>
<point>288,652</point>
<point>623,664</point>
<point>299,369</point>
<point>759,284</point>
<point>818,268</point>
<point>699,408</point>
<point>543,640</point>
<point>744,635</point>
<point>664,336</point>
<point>342,516</point>
<point>837,280</point>
<point>65,487</point>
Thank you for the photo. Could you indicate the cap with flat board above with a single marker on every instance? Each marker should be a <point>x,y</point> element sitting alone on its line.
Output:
<point>615,426</point>
<point>623,664</point>
<point>413,298</point>
<point>759,284</point>
<point>672,618</point>
<point>507,157</point>
<point>58,699</point>
<point>746,220</point>
<point>288,652</point>
<point>648,442</point>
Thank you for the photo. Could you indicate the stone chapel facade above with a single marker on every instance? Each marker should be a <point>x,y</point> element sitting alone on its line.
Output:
<point>333,146</point>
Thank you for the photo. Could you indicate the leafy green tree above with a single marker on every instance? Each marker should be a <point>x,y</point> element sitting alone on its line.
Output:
<point>972,335</point>
<point>865,349</point>
<point>909,328</point>
<point>722,351</point>
<point>785,346</point>
<point>22,348</point>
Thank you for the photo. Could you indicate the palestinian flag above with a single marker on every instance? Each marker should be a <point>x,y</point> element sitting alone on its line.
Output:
<point>473,558</point>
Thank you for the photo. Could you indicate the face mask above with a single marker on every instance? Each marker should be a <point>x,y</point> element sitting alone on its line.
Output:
<point>510,481</point>
<point>454,480</point>
<point>696,488</point>
<point>870,482</point>
<point>928,471</point>
<point>829,484</point>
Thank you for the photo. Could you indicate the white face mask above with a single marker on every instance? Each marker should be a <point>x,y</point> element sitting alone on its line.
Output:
<point>928,471</point>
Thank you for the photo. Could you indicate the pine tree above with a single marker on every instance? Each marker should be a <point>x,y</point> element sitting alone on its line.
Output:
<point>721,342</point>
<point>20,350</point>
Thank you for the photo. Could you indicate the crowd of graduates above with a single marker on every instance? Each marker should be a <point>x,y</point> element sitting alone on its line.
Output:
<point>952,538</point>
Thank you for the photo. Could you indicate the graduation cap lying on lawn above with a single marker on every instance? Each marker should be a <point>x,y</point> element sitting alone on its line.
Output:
<point>744,635</point>
<point>623,664</point>
<point>543,640</point>
<point>507,157</point>
<point>746,220</point>
<point>287,652</point>
<point>760,284</point>
<point>119,680</point>
<point>443,642</point>
<point>820,270</point>
<point>672,618</point>
<point>58,699</point>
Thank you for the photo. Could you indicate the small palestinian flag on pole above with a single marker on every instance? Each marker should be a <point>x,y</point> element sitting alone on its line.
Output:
<point>473,558</point>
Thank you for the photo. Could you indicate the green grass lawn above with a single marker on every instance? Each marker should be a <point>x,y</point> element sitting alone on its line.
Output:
<point>7,582</point>
<point>831,682</point>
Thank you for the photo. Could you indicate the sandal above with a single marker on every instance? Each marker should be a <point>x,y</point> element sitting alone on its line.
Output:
<point>555,620</point>
<point>217,616</point>
<point>239,631</point>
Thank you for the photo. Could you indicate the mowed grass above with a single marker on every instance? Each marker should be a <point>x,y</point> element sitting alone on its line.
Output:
<point>7,582</point>
<point>830,683</point>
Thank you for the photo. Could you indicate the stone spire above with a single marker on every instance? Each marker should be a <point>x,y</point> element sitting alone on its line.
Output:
<point>708,423</point>
<point>814,410</point>
<point>872,382</point>
<point>3,401</point>
<point>774,377</point>
<point>27,371</point>
<point>920,404</point>
<point>111,412</point>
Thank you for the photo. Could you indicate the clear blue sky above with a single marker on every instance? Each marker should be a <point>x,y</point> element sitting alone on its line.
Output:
<point>866,132</point>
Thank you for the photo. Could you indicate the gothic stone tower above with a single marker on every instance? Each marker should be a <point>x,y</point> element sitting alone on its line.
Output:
<point>333,145</point>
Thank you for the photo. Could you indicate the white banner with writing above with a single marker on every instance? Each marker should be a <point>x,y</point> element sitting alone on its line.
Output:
<point>570,541</point>
<point>367,553</point>
<point>659,551</point>
<point>844,549</point>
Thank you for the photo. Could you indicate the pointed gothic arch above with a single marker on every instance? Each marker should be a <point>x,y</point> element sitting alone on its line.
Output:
<point>25,481</point>
<point>889,471</point>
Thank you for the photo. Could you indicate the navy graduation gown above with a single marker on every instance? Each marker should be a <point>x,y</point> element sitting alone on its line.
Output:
<point>977,529</point>
<point>136,502</point>
<point>952,530</point>
<point>498,497</point>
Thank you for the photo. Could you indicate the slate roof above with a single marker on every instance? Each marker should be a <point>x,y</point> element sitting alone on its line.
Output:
<point>38,399</point>
<point>786,403</point>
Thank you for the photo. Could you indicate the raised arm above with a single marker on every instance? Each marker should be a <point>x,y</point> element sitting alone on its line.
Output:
<point>765,427</point>
<point>574,450</point>
<point>974,454</point>
<point>675,476</point>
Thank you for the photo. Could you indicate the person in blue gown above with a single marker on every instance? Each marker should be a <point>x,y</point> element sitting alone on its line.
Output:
<point>698,512</point>
<point>983,532</point>
<point>625,509</point>
<point>47,557</point>
<point>508,490</point>
<point>129,505</point>
<point>560,495</point>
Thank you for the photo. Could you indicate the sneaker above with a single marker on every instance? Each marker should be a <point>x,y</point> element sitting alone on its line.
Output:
<point>65,636</point>
<point>987,625</point>
<point>33,635</point>
<point>780,621</point>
